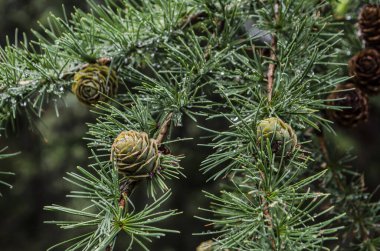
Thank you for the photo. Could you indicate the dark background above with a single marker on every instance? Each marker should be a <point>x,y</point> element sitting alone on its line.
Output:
<point>46,158</point>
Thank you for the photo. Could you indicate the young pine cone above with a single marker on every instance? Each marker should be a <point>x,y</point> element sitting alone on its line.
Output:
<point>365,68</point>
<point>369,25</point>
<point>135,155</point>
<point>279,133</point>
<point>355,101</point>
<point>94,82</point>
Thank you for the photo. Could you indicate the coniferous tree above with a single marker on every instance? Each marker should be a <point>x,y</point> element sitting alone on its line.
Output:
<point>270,71</point>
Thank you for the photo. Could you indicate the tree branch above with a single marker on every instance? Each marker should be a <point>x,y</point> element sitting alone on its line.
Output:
<point>164,128</point>
<point>126,189</point>
<point>128,186</point>
<point>270,84</point>
<point>272,68</point>
<point>267,214</point>
<point>273,57</point>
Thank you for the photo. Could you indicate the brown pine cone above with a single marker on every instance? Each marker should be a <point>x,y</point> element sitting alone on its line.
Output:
<point>369,25</point>
<point>355,103</point>
<point>365,68</point>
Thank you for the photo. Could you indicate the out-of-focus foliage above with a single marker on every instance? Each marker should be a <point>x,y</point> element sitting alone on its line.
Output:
<point>24,14</point>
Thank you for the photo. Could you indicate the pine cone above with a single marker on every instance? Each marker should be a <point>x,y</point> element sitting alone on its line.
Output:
<point>94,83</point>
<point>365,68</point>
<point>135,155</point>
<point>355,99</point>
<point>369,25</point>
<point>279,133</point>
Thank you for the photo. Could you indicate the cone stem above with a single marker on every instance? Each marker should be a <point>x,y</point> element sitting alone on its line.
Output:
<point>126,188</point>
<point>164,128</point>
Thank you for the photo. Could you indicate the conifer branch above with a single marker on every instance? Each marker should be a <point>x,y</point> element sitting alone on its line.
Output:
<point>273,57</point>
<point>128,186</point>
<point>271,76</point>
<point>272,68</point>
<point>126,189</point>
<point>267,214</point>
<point>164,128</point>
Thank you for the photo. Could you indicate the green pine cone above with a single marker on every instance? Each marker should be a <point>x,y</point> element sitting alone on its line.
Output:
<point>94,82</point>
<point>135,155</point>
<point>279,133</point>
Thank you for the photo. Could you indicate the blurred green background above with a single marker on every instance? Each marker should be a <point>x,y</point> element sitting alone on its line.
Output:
<point>46,158</point>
